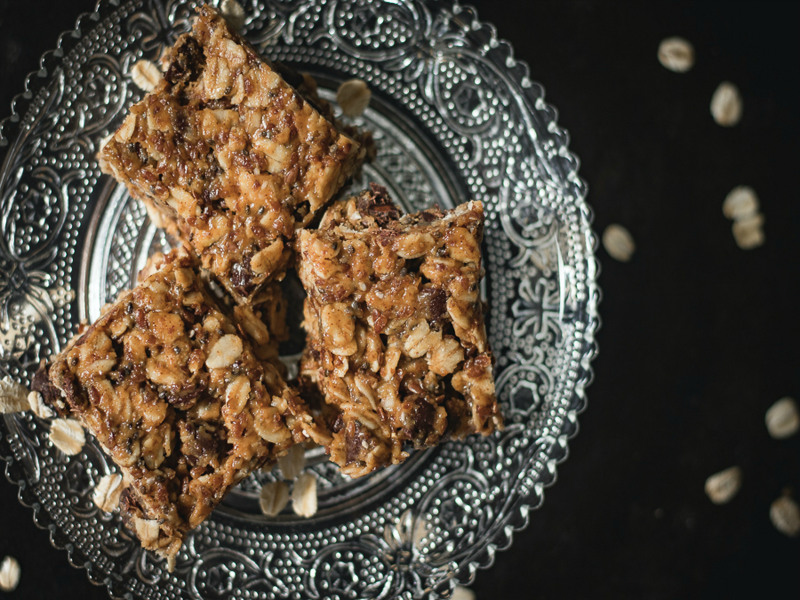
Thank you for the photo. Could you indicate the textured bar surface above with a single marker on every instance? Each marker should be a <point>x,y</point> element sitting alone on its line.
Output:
<point>396,339</point>
<point>175,395</point>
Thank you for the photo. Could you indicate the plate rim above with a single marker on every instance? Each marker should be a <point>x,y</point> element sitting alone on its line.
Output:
<point>11,128</point>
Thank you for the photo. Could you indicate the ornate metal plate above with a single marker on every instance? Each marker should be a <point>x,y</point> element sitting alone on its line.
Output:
<point>456,117</point>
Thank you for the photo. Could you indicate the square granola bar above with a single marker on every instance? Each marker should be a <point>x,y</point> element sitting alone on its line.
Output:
<point>396,339</point>
<point>231,154</point>
<point>175,395</point>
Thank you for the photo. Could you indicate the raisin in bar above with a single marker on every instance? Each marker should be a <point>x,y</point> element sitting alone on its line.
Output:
<point>396,339</point>
<point>231,154</point>
<point>176,397</point>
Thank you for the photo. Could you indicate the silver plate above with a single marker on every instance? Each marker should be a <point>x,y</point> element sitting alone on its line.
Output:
<point>456,118</point>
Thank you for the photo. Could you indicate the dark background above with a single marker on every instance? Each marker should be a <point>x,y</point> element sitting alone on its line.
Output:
<point>699,337</point>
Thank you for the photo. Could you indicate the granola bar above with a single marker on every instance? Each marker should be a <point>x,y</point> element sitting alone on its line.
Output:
<point>396,338</point>
<point>232,154</point>
<point>175,395</point>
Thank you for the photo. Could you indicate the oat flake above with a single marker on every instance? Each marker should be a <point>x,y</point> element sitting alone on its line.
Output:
<point>783,419</point>
<point>147,530</point>
<point>9,574</point>
<point>67,435</point>
<point>146,75</point>
<point>676,54</point>
<point>726,104</point>
<point>353,97</point>
<point>233,13</point>
<point>273,498</point>
<point>785,516</point>
<point>618,242</point>
<point>293,463</point>
<point>304,495</point>
<point>723,486</point>
<point>224,352</point>
<point>748,232</point>
<point>740,203</point>
<point>13,396</point>
<point>38,407</point>
<point>462,593</point>
<point>107,491</point>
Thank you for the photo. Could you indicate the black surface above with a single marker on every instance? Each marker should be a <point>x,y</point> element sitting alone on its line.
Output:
<point>699,338</point>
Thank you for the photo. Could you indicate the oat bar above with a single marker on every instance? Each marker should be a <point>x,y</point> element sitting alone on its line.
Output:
<point>175,395</point>
<point>232,154</point>
<point>396,339</point>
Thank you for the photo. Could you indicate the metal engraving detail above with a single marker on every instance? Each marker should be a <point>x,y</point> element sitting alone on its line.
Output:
<point>456,118</point>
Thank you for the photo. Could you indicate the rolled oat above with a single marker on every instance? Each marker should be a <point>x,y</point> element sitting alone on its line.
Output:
<point>233,13</point>
<point>293,463</point>
<point>783,419</point>
<point>107,491</point>
<point>462,593</point>
<point>13,396</point>
<point>9,574</point>
<point>740,203</point>
<point>676,54</point>
<point>38,407</point>
<point>273,498</point>
<point>146,75</point>
<point>723,486</point>
<point>785,516</point>
<point>618,242</point>
<point>147,530</point>
<point>353,97</point>
<point>225,352</point>
<point>67,435</point>
<point>749,232</point>
<point>304,495</point>
<point>726,104</point>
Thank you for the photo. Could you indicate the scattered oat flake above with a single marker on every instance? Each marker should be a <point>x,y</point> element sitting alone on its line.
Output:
<point>783,419</point>
<point>748,232</point>
<point>676,54</point>
<point>107,491</point>
<point>67,435</point>
<point>618,242</point>
<point>13,396</point>
<point>353,97</point>
<point>740,203</point>
<point>146,75</point>
<point>273,498</point>
<point>723,486</point>
<point>462,593</point>
<point>293,463</point>
<point>785,516</point>
<point>304,495</point>
<point>726,104</point>
<point>233,13</point>
<point>9,574</point>
<point>38,407</point>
